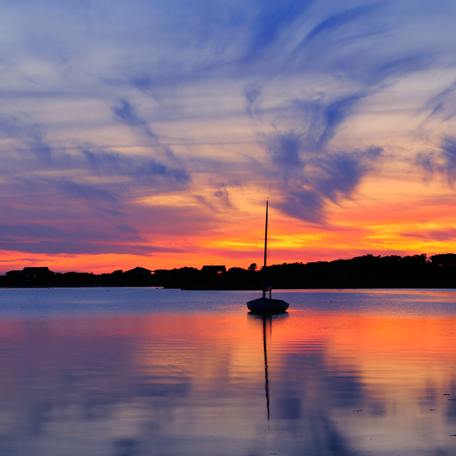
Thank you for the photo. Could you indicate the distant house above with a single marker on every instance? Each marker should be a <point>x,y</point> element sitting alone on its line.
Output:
<point>13,274</point>
<point>139,273</point>
<point>36,273</point>
<point>213,270</point>
<point>31,276</point>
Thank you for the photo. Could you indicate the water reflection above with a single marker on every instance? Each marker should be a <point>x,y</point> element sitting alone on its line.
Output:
<point>224,382</point>
<point>266,323</point>
<point>265,355</point>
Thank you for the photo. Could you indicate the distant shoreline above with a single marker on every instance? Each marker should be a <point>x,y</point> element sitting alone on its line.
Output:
<point>379,287</point>
<point>368,271</point>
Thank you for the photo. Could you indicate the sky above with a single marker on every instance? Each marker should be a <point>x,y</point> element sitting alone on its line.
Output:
<point>151,132</point>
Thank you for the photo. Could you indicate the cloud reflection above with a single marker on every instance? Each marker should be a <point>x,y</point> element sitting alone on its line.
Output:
<point>193,383</point>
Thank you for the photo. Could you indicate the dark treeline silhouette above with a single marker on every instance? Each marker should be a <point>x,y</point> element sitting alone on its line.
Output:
<point>366,271</point>
<point>44,277</point>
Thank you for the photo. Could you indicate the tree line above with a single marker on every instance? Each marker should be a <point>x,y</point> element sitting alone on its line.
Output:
<point>368,271</point>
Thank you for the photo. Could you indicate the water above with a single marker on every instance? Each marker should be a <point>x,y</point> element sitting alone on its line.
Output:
<point>130,372</point>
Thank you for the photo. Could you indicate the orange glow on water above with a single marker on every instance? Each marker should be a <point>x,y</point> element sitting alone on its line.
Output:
<point>368,342</point>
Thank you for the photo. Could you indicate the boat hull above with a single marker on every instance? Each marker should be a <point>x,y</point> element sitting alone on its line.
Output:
<point>267,306</point>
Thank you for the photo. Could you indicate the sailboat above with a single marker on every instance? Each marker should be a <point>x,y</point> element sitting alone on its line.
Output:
<point>266,305</point>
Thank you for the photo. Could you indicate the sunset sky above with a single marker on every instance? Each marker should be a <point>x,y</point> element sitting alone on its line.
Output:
<point>151,132</point>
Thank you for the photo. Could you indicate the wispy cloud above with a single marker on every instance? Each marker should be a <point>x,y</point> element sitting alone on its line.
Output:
<point>441,235</point>
<point>78,200</point>
<point>27,132</point>
<point>310,178</point>
<point>252,94</point>
<point>441,162</point>
<point>270,22</point>
<point>443,103</point>
<point>285,95</point>
<point>126,113</point>
<point>339,21</point>
<point>73,239</point>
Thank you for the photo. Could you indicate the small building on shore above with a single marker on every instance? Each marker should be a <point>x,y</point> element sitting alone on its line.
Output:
<point>213,270</point>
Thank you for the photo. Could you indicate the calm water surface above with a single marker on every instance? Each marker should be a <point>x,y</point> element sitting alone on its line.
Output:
<point>129,372</point>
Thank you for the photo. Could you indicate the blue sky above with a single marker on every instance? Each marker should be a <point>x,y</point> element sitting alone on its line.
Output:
<point>181,115</point>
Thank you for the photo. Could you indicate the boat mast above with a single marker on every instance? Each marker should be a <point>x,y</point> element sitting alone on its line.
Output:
<point>265,248</point>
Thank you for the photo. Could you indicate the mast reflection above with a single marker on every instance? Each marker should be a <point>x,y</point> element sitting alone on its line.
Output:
<point>266,321</point>
<point>266,374</point>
